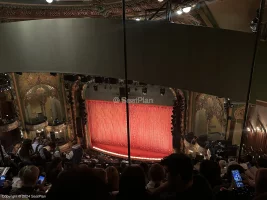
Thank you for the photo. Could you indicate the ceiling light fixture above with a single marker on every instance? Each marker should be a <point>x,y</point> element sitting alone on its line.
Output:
<point>160,0</point>
<point>186,10</point>
<point>49,1</point>
<point>179,12</point>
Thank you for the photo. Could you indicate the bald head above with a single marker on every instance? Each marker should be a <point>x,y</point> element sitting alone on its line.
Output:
<point>29,175</point>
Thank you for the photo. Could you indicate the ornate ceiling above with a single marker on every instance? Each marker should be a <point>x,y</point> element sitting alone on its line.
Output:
<point>97,8</point>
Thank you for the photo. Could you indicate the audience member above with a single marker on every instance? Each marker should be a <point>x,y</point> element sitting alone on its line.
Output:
<point>260,184</point>
<point>132,184</point>
<point>181,183</point>
<point>54,150</point>
<point>83,167</point>
<point>38,148</point>
<point>29,177</point>
<point>101,174</point>
<point>26,152</point>
<point>75,155</point>
<point>78,184</point>
<point>113,178</point>
<point>211,171</point>
<point>156,177</point>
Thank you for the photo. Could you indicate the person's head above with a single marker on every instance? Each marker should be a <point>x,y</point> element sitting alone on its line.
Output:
<point>156,173</point>
<point>179,168</point>
<point>29,175</point>
<point>78,184</point>
<point>261,181</point>
<point>133,181</point>
<point>83,167</point>
<point>56,164</point>
<point>113,178</point>
<point>101,174</point>
<point>211,171</point>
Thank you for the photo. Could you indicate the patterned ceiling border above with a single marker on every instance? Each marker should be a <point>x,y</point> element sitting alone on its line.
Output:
<point>24,11</point>
<point>134,8</point>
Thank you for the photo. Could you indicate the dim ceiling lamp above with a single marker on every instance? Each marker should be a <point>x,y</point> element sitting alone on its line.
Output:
<point>186,9</point>
<point>179,12</point>
<point>49,1</point>
<point>160,0</point>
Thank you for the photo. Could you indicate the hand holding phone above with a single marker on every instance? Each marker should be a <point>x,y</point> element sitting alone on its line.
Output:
<point>41,179</point>
<point>237,179</point>
<point>2,181</point>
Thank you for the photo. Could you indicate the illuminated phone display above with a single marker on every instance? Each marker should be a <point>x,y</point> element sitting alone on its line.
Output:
<point>2,180</point>
<point>237,178</point>
<point>41,179</point>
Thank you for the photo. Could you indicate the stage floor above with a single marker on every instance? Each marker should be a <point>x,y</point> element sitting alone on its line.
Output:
<point>122,152</point>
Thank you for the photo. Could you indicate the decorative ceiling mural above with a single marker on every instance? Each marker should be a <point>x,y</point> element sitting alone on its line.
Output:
<point>40,93</point>
<point>27,82</point>
<point>212,105</point>
<point>101,8</point>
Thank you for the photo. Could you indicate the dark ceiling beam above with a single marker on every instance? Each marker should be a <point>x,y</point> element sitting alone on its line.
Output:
<point>207,15</point>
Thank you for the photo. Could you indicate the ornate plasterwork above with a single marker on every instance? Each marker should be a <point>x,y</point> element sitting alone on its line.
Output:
<point>28,81</point>
<point>9,127</point>
<point>212,105</point>
<point>10,12</point>
<point>55,128</point>
<point>239,113</point>
<point>37,126</point>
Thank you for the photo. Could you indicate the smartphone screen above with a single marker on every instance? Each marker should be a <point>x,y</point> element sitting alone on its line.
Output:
<point>2,180</point>
<point>41,179</point>
<point>237,178</point>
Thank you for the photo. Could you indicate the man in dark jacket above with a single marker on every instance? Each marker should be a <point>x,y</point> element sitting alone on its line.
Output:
<point>181,183</point>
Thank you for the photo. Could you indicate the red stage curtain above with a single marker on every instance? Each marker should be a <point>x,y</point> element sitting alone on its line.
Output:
<point>150,126</point>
